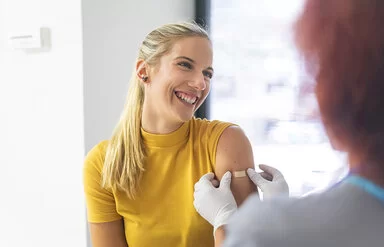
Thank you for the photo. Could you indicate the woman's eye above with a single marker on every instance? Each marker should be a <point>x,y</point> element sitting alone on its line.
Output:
<point>208,74</point>
<point>185,64</point>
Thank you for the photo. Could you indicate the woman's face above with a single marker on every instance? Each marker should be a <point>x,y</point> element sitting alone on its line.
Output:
<point>180,82</point>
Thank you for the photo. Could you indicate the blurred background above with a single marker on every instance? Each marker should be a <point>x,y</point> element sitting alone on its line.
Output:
<point>64,71</point>
<point>260,84</point>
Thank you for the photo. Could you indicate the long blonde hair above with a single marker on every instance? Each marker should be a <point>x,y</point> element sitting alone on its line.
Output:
<point>124,160</point>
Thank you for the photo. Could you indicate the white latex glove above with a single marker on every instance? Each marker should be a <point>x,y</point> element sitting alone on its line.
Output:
<point>216,205</point>
<point>271,182</point>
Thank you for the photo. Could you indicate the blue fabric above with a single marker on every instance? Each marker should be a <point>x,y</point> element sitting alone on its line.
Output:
<point>366,185</point>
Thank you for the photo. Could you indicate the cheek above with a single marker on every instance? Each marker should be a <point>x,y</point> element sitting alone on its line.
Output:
<point>159,95</point>
<point>207,90</point>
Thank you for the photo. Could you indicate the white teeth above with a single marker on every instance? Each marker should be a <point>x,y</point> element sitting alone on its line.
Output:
<point>185,99</point>
<point>188,100</point>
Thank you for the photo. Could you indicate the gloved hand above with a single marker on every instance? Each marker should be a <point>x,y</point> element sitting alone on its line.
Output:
<point>271,182</point>
<point>216,205</point>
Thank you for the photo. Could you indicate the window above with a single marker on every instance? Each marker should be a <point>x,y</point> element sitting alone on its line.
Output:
<point>259,85</point>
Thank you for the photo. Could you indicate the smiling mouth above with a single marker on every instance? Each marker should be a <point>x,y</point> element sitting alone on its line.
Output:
<point>187,98</point>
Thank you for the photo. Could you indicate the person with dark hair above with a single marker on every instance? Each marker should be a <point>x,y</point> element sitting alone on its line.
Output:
<point>342,43</point>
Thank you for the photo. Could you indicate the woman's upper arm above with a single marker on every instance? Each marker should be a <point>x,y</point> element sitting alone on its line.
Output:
<point>108,234</point>
<point>234,153</point>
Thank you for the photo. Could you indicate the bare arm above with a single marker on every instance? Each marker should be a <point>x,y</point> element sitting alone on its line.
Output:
<point>108,234</point>
<point>234,153</point>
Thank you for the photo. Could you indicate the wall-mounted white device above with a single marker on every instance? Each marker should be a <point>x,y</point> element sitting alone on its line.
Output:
<point>30,39</point>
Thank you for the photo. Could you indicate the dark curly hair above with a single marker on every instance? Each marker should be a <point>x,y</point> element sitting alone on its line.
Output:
<point>342,43</point>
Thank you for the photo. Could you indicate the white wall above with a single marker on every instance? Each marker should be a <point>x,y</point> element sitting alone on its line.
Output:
<point>41,128</point>
<point>44,131</point>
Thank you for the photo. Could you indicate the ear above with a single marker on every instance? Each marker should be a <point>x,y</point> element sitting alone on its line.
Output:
<point>142,70</point>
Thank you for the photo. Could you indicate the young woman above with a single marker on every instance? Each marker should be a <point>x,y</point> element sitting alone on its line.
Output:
<point>139,184</point>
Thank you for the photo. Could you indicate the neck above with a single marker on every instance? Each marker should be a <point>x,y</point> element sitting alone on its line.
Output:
<point>155,123</point>
<point>372,172</point>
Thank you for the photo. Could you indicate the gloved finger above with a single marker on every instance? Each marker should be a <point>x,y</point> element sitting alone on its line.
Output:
<point>226,180</point>
<point>198,199</point>
<point>215,183</point>
<point>196,205</point>
<point>257,179</point>
<point>205,181</point>
<point>266,176</point>
<point>271,170</point>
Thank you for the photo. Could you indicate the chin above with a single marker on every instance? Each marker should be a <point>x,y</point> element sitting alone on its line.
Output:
<point>184,116</point>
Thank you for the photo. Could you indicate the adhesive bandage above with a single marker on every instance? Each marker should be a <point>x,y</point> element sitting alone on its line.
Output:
<point>239,174</point>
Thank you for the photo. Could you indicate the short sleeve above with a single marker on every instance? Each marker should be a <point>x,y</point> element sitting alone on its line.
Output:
<point>100,203</point>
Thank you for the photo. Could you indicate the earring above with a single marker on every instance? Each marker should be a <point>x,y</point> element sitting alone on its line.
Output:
<point>144,78</point>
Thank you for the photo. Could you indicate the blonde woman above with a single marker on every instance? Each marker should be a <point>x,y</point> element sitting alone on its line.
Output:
<point>139,184</point>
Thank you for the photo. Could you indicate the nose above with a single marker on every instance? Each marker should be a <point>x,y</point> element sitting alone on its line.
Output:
<point>198,82</point>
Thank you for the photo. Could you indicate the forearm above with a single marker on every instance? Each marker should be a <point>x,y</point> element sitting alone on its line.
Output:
<point>219,236</point>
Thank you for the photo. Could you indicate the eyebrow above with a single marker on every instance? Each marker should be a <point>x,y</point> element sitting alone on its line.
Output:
<point>192,61</point>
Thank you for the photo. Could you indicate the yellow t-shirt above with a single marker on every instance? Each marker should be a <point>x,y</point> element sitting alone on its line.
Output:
<point>162,214</point>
